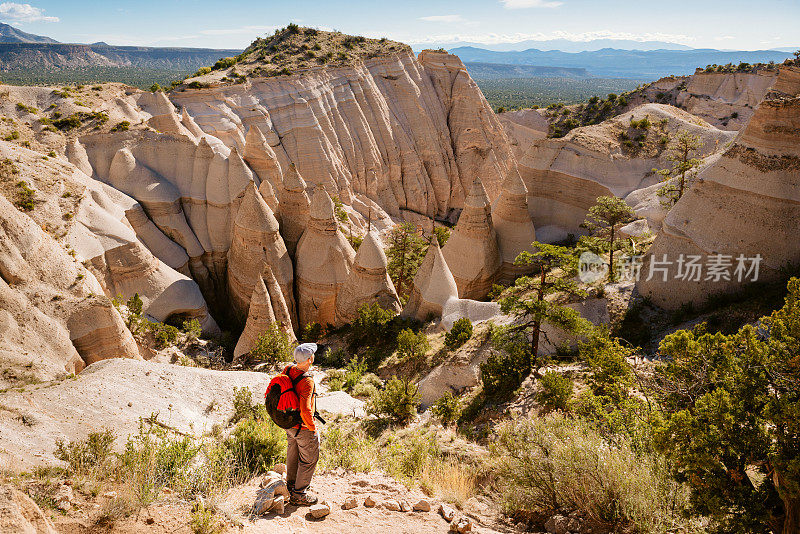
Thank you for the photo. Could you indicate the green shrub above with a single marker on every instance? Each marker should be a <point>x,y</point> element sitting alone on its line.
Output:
<point>12,136</point>
<point>192,329</point>
<point>353,450</point>
<point>370,326</point>
<point>256,445</point>
<point>338,207</point>
<point>123,126</point>
<point>459,334</point>
<point>442,234</point>
<point>25,197</point>
<point>224,63</point>
<point>243,407</point>
<point>153,460</point>
<point>165,335</point>
<point>507,366</point>
<point>68,123</point>
<point>273,346</point>
<point>553,462</point>
<point>204,520</point>
<point>556,390</point>
<point>447,409</point>
<point>368,386</point>
<point>89,455</point>
<point>313,332</point>
<point>410,345</point>
<point>397,401</point>
<point>155,88</point>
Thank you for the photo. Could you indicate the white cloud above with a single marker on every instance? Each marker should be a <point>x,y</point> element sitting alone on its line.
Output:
<point>444,18</point>
<point>11,11</point>
<point>497,38</point>
<point>724,38</point>
<point>525,4</point>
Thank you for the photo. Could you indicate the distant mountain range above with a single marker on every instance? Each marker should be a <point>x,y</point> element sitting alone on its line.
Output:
<point>563,45</point>
<point>492,71</point>
<point>10,34</point>
<point>614,63</point>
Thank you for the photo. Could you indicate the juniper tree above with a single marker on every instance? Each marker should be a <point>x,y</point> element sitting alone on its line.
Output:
<point>540,298</point>
<point>604,221</point>
<point>684,168</point>
<point>732,410</point>
<point>406,250</point>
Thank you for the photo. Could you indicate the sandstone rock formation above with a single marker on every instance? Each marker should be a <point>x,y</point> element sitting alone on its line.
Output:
<point>256,242</point>
<point>54,318</point>
<point>267,306</point>
<point>434,293</point>
<point>471,251</point>
<point>726,100</point>
<point>750,193</point>
<point>19,514</point>
<point>565,176</point>
<point>368,282</point>
<point>294,207</point>
<point>324,260</point>
<point>410,134</point>
<point>514,227</point>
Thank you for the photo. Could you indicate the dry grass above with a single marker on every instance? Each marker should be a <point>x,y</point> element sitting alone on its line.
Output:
<point>451,480</point>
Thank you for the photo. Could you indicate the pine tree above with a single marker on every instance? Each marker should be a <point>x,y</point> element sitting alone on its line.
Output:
<point>604,221</point>
<point>538,299</point>
<point>406,250</point>
<point>684,168</point>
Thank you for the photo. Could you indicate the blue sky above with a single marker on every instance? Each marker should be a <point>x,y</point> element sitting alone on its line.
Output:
<point>730,24</point>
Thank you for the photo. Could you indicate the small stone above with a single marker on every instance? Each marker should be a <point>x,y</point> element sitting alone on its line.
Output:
<point>269,478</point>
<point>279,468</point>
<point>461,525</point>
<point>404,506</point>
<point>557,524</point>
<point>112,494</point>
<point>278,505</point>
<point>130,404</point>
<point>63,495</point>
<point>350,503</point>
<point>319,510</point>
<point>149,521</point>
<point>448,513</point>
<point>422,505</point>
<point>369,502</point>
<point>393,506</point>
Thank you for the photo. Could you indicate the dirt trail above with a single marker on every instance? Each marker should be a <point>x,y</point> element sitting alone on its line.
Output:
<point>170,515</point>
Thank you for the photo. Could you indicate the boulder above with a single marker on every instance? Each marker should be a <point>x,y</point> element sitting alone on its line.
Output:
<point>368,283</point>
<point>461,525</point>
<point>422,505</point>
<point>391,505</point>
<point>370,501</point>
<point>471,252</point>
<point>447,512</point>
<point>350,503</point>
<point>324,261</point>
<point>319,511</point>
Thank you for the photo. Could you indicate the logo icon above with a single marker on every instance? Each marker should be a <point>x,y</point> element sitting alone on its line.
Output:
<point>591,268</point>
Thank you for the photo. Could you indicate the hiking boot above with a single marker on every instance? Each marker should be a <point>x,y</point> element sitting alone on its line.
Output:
<point>303,499</point>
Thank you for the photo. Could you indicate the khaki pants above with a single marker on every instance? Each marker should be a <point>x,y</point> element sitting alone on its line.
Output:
<point>302,454</point>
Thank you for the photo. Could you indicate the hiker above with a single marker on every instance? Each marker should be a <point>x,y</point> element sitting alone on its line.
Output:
<point>290,402</point>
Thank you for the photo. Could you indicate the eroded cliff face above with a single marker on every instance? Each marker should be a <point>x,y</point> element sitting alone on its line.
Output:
<point>408,134</point>
<point>565,176</point>
<point>747,203</point>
